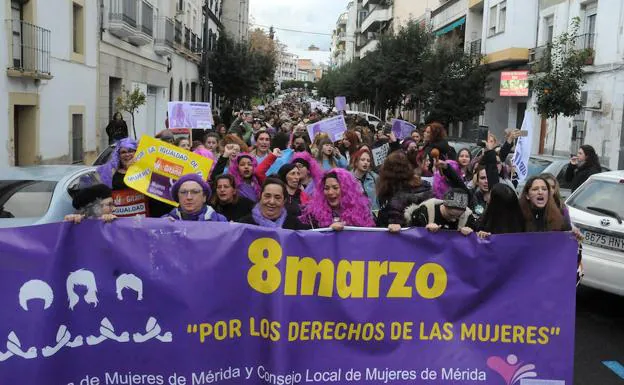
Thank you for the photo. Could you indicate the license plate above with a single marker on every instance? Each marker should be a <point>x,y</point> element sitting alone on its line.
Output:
<point>603,240</point>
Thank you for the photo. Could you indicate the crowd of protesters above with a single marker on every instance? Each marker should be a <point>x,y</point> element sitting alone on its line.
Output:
<point>268,172</point>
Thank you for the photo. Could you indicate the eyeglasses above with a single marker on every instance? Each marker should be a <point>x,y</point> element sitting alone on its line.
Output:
<point>126,152</point>
<point>194,192</point>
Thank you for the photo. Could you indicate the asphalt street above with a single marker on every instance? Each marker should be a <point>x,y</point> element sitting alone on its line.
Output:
<point>599,338</point>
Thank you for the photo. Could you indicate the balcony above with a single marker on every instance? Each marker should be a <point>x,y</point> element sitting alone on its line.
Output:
<point>122,19</point>
<point>373,21</point>
<point>370,46</point>
<point>187,38</point>
<point>145,30</point>
<point>178,32</point>
<point>29,50</point>
<point>474,48</point>
<point>587,42</point>
<point>163,43</point>
<point>540,59</point>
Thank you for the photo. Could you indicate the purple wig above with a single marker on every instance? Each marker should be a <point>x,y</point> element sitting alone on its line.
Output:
<point>233,170</point>
<point>354,205</point>
<point>440,184</point>
<point>107,170</point>
<point>315,170</point>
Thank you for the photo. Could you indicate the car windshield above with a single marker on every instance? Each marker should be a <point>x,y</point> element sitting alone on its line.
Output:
<point>599,194</point>
<point>25,198</point>
<point>537,166</point>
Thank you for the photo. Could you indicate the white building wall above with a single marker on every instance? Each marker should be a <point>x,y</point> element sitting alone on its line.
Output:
<point>605,79</point>
<point>235,18</point>
<point>520,26</point>
<point>73,84</point>
<point>352,17</point>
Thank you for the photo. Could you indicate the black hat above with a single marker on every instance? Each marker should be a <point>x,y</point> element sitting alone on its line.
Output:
<point>456,198</point>
<point>88,195</point>
<point>284,170</point>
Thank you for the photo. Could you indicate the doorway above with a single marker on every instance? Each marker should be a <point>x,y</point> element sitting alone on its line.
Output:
<point>520,114</point>
<point>24,135</point>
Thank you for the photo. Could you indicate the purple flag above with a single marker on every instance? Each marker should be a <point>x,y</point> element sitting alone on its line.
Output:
<point>401,128</point>
<point>149,301</point>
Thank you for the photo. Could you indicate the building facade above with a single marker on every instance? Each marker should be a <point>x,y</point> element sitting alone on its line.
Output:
<point>235,18</point>
<point>49,85</point>
<point>339,42</point>
<point>152,45</point>
<point>287,65</point>
<point>600,123</point>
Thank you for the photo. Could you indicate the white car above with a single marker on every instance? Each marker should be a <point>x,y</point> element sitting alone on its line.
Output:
<point>597,209</point>
<point>372,119</point>
<point>40,194</point>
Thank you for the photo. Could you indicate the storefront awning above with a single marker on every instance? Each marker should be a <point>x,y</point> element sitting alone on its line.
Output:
<point>451,26</point>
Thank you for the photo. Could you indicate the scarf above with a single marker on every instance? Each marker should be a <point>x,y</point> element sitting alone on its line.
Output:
<point>204,215</point>
<point>265,222</point>
<point>248,191</point>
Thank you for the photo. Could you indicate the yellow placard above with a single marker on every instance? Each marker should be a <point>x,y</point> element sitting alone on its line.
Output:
<point>158,165</point>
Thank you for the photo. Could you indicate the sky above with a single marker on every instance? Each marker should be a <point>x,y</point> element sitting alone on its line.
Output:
<point>302,15</point>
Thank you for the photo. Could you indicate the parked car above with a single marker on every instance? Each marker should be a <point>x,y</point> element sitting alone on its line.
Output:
<point>596,209</point>
<point>556,165</point>
<point>105,155</point>
<point>40,194</point>
<point>372,119</point>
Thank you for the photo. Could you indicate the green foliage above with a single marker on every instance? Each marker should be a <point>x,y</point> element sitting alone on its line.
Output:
<point>560,75</point>
<point>239,72</point>
<point>130,101</point>
<point>437,78</point>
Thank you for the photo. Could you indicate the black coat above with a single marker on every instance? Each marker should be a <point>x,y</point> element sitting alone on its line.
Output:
<point>392,211</point>
<point>578,175</point>
<point>116,130</point>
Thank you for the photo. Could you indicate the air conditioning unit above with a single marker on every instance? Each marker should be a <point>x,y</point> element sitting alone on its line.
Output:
<point>592,100</point>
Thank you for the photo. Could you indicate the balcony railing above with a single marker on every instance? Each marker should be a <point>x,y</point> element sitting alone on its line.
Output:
<point>123,16</point>
<point>178,32</point>
<point>474,49</point>
<point>147,18</point>
<point>587,42</point>
<point>187,38</point>
<point>200,47</point>
<point>163,39</point>
<point>124,10</point>
<point>29,49</point>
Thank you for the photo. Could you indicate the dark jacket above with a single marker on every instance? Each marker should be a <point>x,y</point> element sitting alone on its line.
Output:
<point>116,130</point>
<point>578,175</point>
<point>291,222</point>
<point>446,151</point>
<point>392,211</point>
<point>235,211</point>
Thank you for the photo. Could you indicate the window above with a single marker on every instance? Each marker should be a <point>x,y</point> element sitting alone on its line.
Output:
<point>600,194</point>
<point>590,12</point>
<point>549,28</point>
<point>77,151</point>
<point>497,19</point>
<point>78,29</point>
<point>25,198</point>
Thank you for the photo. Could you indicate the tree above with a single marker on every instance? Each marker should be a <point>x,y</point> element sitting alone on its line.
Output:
<point>560,76</point>
<point>130,101</point>
<point>242,70</point>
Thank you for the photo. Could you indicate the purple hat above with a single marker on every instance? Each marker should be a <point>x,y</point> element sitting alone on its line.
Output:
<point>190,178</point>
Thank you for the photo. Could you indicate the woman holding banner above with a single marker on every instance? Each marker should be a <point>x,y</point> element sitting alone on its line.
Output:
<point>541,212</point>
<point>227,202</point>
<point>338,202</point>
<point>270,212</point>
<point>192,193</point>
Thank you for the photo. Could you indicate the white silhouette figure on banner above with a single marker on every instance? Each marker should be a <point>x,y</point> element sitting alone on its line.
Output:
<point>14,346</point>
<point>153,330</point>
<point>129,281</point>
<point>35,289</point>
<point>84,278</point>
<point>63,338</point>
<point>107,331</point>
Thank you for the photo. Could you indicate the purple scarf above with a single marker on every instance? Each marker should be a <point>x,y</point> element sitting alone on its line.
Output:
<point>265,222</point>
<point>246,190</point>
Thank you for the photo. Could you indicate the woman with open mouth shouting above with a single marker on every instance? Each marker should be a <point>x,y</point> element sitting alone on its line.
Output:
<point>540,211</point>
<point>243,169</point>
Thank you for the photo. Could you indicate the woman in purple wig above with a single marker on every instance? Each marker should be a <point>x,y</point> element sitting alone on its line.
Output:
<point>339,202</point>
<point>112,173</point>
<point>243,169</point>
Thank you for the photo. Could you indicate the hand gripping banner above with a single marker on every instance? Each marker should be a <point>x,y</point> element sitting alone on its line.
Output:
<point>148,301</point>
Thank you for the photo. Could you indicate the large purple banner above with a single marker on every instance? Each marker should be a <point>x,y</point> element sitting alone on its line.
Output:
<point>150,301</point>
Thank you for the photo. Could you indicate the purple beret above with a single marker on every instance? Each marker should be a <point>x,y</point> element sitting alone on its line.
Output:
<point>190,178</point>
